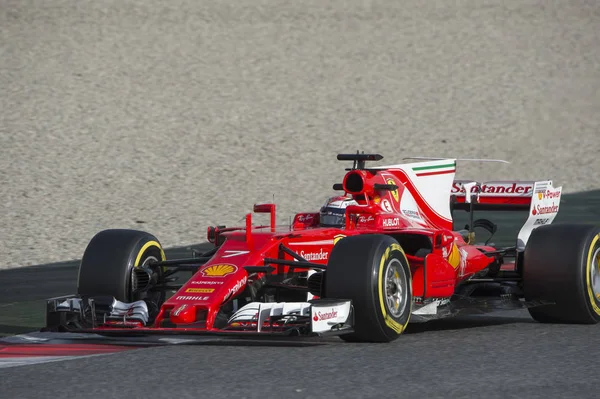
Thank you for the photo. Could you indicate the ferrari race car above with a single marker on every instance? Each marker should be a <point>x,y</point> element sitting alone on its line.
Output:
<point>396,259</point>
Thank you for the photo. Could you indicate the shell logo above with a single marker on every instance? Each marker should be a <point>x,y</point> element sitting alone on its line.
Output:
<point>220,270</point>
<point>395,192</point>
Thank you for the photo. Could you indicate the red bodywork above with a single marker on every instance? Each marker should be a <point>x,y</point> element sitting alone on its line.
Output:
<point>449,259</point>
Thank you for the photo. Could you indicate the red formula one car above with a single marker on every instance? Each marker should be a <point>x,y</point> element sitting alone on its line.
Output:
<point>383,255</point>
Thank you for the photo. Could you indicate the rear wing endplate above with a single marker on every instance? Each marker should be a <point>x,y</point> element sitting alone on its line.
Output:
<point>545,202</point>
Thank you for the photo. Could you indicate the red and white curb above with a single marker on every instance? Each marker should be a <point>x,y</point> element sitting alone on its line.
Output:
<point>44,347</point>
<point>17,354</point>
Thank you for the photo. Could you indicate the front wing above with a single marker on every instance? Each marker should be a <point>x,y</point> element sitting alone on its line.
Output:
<point>110,317</point>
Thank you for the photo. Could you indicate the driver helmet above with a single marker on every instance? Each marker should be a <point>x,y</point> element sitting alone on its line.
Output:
<point>333,212</point>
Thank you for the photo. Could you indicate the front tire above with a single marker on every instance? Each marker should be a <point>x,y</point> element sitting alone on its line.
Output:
<point>108,261</point>
<point>562,265</point>
<point>373,272</point>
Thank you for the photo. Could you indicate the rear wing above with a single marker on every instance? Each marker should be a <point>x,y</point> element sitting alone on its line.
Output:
<point>540,198</point>
<point>492,195</point>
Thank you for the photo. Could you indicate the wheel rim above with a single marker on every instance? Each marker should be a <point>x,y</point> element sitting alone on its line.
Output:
<point>149,259</point>
<point>154,296</point>
<point>395,288</point>
<point>595,273</point>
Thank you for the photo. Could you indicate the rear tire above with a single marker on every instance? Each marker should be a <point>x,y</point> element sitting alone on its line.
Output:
<point>109,259</point>
<point>373,272</point>
<point>562,265</point>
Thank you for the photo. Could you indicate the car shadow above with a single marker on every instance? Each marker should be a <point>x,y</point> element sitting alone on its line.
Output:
<point>6,329</point>
<point>465,322</point>
<point>291,343</point>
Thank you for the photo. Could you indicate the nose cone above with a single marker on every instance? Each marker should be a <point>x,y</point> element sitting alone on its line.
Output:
<point>183,314</point>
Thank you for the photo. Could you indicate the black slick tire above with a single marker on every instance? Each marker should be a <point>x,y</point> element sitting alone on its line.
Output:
<point>357,270</point>
<point>108,261</point>
<point>559,262</point>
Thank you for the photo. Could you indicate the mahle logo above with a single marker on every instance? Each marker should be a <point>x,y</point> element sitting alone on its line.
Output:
<point>219,270</point>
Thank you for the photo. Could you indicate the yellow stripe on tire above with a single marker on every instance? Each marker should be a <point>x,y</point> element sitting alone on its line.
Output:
<point>144,248</point>
<point>587,274</point>
<point>389,321</point>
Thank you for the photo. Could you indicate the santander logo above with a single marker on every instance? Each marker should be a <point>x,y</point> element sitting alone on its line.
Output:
<point>325,315</point>
<point>321,255</point>
<point>542,210</point>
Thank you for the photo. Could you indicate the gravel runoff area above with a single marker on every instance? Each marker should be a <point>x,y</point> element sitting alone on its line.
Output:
<point>173,115</point>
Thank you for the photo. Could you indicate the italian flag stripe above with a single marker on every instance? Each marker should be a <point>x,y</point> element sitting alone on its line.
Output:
<point>435,169</point>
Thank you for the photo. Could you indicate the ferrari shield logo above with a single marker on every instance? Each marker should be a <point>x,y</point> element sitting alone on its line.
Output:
<point>395,192</point>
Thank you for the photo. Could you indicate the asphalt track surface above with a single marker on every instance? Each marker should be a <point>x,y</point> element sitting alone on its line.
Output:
<point>505,355</point>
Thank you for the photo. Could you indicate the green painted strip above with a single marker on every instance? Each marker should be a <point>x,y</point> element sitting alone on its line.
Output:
<point>450,165</point>
<point>425,173</point>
